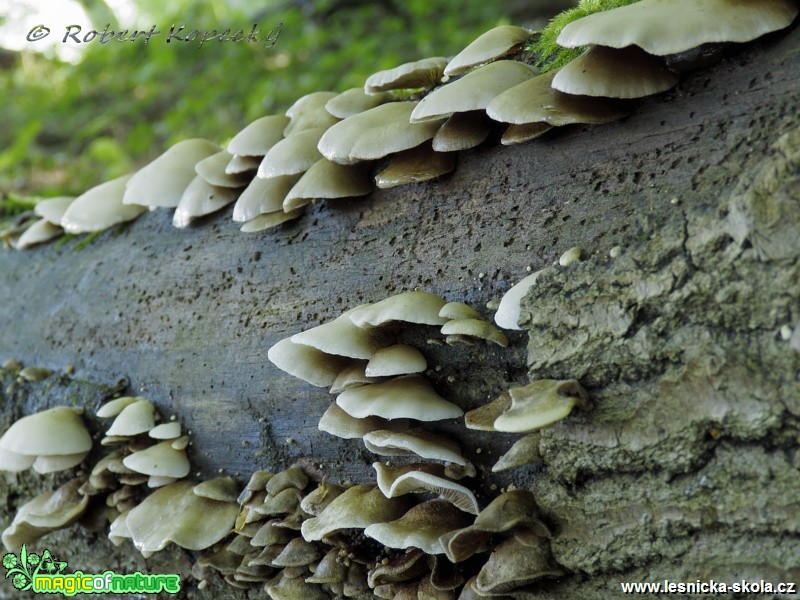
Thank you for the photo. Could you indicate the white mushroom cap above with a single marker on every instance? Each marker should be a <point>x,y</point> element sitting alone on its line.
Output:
<point>536,101</point>
<point>306,362</point>
<point>242,165</point>
<point>51,464</point>
<point>425,480</point>
<point>353,101</point>
<point>53,209</point>
<point>212,170</point>
<point>100,208</point>
<point>337,422</point>
<point>270,220</point>
<point>462,131</point>
<point>495,43</point>
<point>135,418</point>
<point>541,403</point>
<point>13,462</point>
<point>201,199</point>
<point>414,442</point>
<point>37,233</point>
<point>375,133</point>
<point>352,376</point>
<point>55,432</point>
<point>161,182</point>
<point>327,180</point>
<point>342,338</point>
<point>614,73</point>
<point>263,196</point>
<point>474,91</point>
<point>259,136</point>
<point>166,431</point>
<point>308,112</point>
<point>415,166</point>
<point>507,315</point>
<point>475,328</point>
<point>519,134</point>
<point>161,460</point>
<point>113,407</point>
<point>220,488</point>
<point>400,359</point>
<point>459,310</point>
<point>411,307</point>
<point>293,155</point>
<point>425,73</point>
<point>410,397</point>
<point>421,527</point>
<point>663,28</point>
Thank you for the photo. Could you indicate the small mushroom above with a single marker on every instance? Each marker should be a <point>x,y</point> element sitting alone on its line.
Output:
<point>400,359</point>
<point>306,362</point>
<point>270,220</point>
<point>541,403</point>
<point>462,131</point>
<point>100,207</point>
<point>325,493</point>
<point>293,477</point>
<point>483,417</point>
<point>166,431</point>
<point>519,134</point>
<point>352,376</point>
<point>113,407</point>
<point>399,398</point>
<point>200,199</point>
<point>414,442</point>
<point>523,452</point>
<point>491,45</point>
<point>293,155</point>
<point>328,181</point>
<point>259,136</point>
<point>135,418</point>
<point>418,478</point>
<point>508,313</point>
<point>309,112</point>
<point>425,73</point>
<point>476,328</point>
<point>297,553</point>
<point>242,165</point>
<point>161,460</point>
<point>37,233</point>
<point>337,422</point>
<point>53,209</point>
<point>263,196</point>
<point>341,337</point>
<point>410,307</point>
<point>212,170</point>
<point>222,489</point>
<point>420,527</point>
<point>415,166</point>
<point>514,564</point>
<point>354,101</point>
<point>269,535</point>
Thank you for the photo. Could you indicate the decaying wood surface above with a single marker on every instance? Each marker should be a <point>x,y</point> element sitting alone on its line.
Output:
<point>188,316</point>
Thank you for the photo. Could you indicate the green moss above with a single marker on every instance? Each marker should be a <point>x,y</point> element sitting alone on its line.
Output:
<point>552,56</point>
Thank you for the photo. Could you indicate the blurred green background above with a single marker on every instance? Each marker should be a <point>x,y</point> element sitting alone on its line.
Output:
<point>68,125</point>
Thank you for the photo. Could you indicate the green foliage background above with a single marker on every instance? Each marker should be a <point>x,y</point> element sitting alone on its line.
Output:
<point>66,127</point>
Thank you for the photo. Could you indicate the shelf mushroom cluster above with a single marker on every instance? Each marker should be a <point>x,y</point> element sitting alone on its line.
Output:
<point>414,119</point>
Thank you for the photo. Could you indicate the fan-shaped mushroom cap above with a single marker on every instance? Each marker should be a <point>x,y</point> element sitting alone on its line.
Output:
<point>166,431</point>
<point>45,513</point>
<point>284,502</point>
<point>356,508</point>
<point>51,464</point>
<point>309,112</point>
<point>135,418</point>
<point>418,478</point>
<point>475,328</point>
<point>354,101</point>
<point>306,362</point>
<point>523,452</point>
<point>415,166</point>
<point>495,43</point>
<point>283,587</point>
<point>462,131</point>
<point>519,134</point>
<point>330,569</point>
<point>663,28</point>
<point>293,477</point>
<point>200,199</point>
<point>375,133</point>
<point>162,182</point>
<point>508,312</point>
<point>411,307</point>
<point>259,136</point>
<point>37,233</point>
<point>474,91</point>
<point>400,359</point>
<point>113,407</point>
<point>223,489</point>
<point>425,73</point>
<point>293,155</point>
<point>55,432</point>
<point>514,564</point>
<point>342,337</point>
<point>263,196</point>
<point>410,397</point>
<point>212,170</point>
<point>242,165</point>
<point>420,527</point>
<point>337,422</point>
<point>352,376</point>
<point>418,441</point>
<point>297,553</point>
<point>174,513</point>
<point>118,530</point>
<point>161,460</point>
<point>541,403</point>
<point>270,220</point>
<point>100,208</point>
<point>316,501</point>
<point>327,180</point>
<point>258,482</point>
<point>458,310</point>
<point>53,209</point>
<point>13,462</point>
<point>535,100</point>
<point>269,535</point>
<point>386,475</point>
<point>614,73</point>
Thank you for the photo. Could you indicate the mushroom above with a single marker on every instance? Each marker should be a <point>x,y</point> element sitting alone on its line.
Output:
<point>491,45</point>
<point>270,220</point>
<point>523,452</point>
<point>427,478</point>
<point>306,362</point>
<point>418,441</point>
<point>53,209</point>
<point>352,376</point>
<point>342,337</point>
<point>50,440</point>
<point>258,482</point>
<point>483,417</point>
<point>329,570</point>
<point>476,328</point>
<point>474,91</point>
<point>113,407</point>
<point>161,460</point>
<point>411,307</point>
<point>37,233</point>
<point>354,101</point>
<point>162,182</point>
<point>166,431</point>
<point>420,527</point>
<point>519,134</point>
<point>100,207</point>
<point>515,563</point>
<point>462,131</point>
<point>293,477</point>
<point>282,587</point>
<point>614,73</point>
<point>400,359</point>
<point>508,313</point>
<point>570,256</point>
<point>259,136</point>
<point>325,493</point>
<point>135,418</point>
<point>200,199</point>
<point>269,535</point>
<point>415,166</point>
<point>425,73</point>
<point>212,170</point>
<point>402,397</point>
<point>293,155</point>
<point>663,28</point>
<point>309,112</point>
<point>327,180</point>
<point>242,165</point>
<point>297,553</point>
<point>375,133</point>
<point>263,196</point>
<point>337,422</point>
<point>541,403</point>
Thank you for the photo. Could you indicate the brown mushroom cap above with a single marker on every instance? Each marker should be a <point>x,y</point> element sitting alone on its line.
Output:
<point>424,73</point>
<point>663,28</point>
<point>614,73</point>
<point>491,45</point>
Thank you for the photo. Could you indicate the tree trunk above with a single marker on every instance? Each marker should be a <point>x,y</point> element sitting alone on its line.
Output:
<point>686,469</point>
